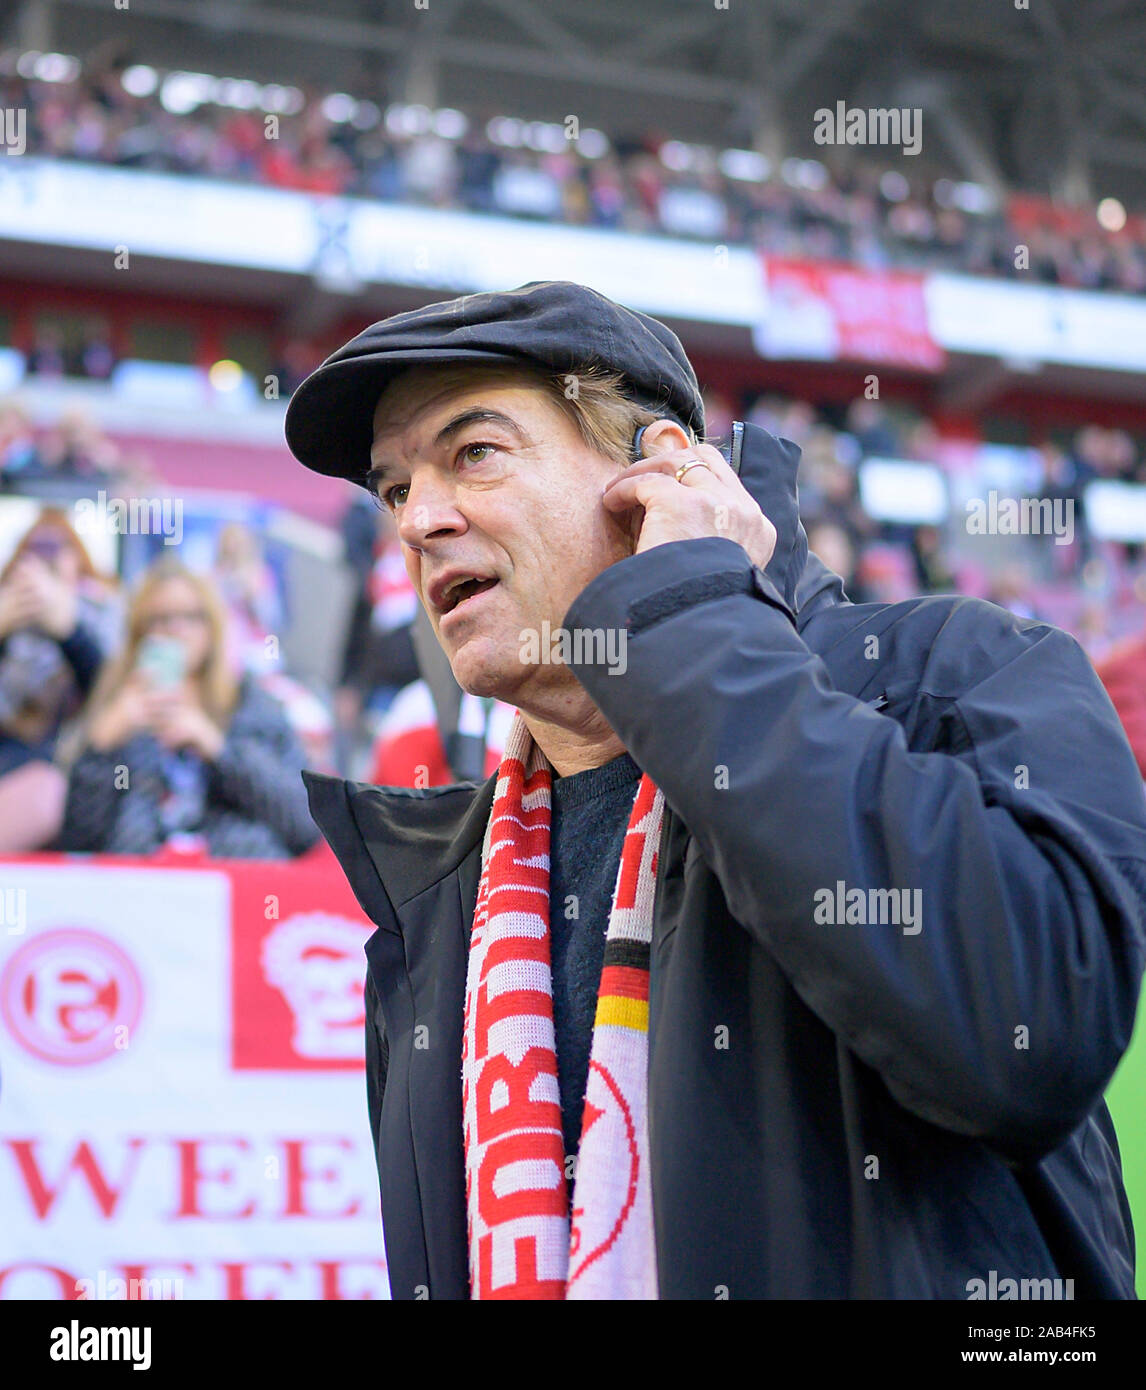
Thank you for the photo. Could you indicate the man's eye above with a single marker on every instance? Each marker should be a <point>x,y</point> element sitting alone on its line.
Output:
<point>389,496</point>
<point>468,447</point>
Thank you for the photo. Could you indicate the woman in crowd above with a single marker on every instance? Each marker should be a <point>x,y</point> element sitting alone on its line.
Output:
<point>247,586</point>
<point>55,621</point>
<point>173,744</point>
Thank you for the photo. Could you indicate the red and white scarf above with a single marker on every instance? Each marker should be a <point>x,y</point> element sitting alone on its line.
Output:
<point>522,1242</point>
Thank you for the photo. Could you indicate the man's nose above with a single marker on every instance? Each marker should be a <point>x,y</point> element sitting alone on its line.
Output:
<point>429,510</point>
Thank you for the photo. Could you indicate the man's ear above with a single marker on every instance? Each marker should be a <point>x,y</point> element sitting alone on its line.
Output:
<point>662,437</point>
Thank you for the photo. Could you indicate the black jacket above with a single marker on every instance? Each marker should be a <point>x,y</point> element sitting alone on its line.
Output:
<point>835,1110</point>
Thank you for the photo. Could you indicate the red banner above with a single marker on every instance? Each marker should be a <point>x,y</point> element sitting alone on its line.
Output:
<point>182,1051</point>
<point>822,311</point>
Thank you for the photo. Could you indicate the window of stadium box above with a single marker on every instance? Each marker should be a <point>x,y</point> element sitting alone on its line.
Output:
<point>161,340</point>
<point>62,332</point>
<point>1006,429</point>
<point>251,349</point>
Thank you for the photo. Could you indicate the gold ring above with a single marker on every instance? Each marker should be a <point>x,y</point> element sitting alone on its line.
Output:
<point>686,465</point>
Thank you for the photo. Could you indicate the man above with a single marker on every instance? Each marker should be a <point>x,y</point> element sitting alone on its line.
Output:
<point>793,946</point>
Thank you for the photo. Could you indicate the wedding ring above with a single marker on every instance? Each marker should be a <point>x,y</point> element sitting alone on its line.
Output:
<point>686,465</point>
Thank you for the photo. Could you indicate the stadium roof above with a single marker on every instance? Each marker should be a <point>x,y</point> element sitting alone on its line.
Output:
<point>1047,98</point>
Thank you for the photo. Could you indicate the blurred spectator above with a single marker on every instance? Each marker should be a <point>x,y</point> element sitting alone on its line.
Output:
<point>719,413</point>
<point>869,425</point>
<point>478,163</point>
<point>409,751</point>
<point>1123,673</point>
<point>172,745</point>
<point>839,501</point>
<point>784,418</point>
<point>932,571</point>
<point>249,591</point>
<point>55,626</point>
<point>1012,589</point>
<point>833,545</point>
<point>75,447</point>
<point>47,357</point>
<point>95,358</point>
<point>294,364</point>
<point>379,656</point>
<point>17,440</point>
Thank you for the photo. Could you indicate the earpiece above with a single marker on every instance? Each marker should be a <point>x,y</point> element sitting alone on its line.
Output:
<point>637,443</point>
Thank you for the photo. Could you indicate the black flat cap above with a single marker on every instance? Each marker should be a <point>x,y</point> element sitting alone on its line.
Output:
<point>554,324</point>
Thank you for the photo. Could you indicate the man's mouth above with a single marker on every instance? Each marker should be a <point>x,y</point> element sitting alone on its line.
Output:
<point>460,591</point>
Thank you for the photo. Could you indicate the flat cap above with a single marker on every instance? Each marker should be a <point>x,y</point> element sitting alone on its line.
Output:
<point>554,324</point>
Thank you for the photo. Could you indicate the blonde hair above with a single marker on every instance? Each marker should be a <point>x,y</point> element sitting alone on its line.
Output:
<point>592,396</point>
<point>218,686</point>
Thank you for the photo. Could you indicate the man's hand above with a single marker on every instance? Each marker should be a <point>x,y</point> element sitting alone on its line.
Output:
<point>708,501</point>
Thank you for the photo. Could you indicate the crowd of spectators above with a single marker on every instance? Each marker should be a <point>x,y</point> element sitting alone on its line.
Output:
<point>1093,588</point>
<point>209,753</point>
<point>72,448</point>
<point>1096,590</point>
<point>92,358</point>
<point>131,721</point>
<point>874,216</point>
<point>176,675</point>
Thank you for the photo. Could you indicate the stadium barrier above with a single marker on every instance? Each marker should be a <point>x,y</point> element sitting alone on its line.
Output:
<point>182,1098</point>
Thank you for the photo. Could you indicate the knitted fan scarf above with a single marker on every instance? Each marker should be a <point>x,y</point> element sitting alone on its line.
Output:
<point>529,1236</point>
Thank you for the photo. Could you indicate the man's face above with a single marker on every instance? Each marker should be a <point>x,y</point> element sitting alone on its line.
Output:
<point>513,500</point>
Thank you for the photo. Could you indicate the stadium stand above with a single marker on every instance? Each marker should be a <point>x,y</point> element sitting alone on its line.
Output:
<point>134,117</point>
<point>154,401</point>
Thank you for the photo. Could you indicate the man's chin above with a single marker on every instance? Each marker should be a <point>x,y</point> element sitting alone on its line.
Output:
<point>487,673</point>
<point>485,685</point>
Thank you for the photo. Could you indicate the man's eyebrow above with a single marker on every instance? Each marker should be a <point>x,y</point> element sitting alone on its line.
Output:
<point>475,415</point>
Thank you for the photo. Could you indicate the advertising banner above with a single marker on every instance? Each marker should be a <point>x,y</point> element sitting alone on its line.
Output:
<point>826,312</point>
<point>182,1093</point>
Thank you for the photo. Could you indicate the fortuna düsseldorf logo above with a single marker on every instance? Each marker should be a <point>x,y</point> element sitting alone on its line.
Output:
<point>65,995</point>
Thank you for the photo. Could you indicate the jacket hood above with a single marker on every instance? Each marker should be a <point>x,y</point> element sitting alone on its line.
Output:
<point>768,468</point>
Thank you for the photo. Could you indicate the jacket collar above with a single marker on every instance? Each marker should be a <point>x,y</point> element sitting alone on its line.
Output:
<point>408,838</point>
<point>768,469</point>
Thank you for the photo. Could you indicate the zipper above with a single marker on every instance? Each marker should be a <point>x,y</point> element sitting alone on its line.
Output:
<point>736,444</point>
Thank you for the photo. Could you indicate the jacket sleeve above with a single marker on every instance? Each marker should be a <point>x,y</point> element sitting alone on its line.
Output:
<point>92,803</point>
<point>257,773</point>
<point>103,813</point>
<point>1003,1017</point>
<point>84,654</point>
